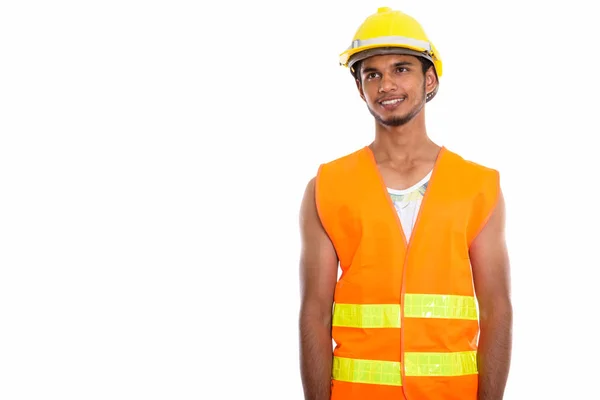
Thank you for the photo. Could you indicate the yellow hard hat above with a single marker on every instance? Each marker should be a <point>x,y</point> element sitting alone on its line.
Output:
<point>391,32</point>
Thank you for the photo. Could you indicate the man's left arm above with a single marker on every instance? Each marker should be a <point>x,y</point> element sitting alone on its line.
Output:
<point>491,274</point>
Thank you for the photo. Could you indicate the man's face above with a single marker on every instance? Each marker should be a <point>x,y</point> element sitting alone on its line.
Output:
<point>394,87</point>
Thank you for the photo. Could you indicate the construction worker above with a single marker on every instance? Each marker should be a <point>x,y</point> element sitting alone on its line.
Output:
<point>422,307</point>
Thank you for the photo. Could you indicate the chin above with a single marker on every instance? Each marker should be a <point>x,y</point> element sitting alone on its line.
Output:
<point>395,120</point>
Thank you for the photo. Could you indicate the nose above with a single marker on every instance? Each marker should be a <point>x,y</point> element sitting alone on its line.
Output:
<point>387,84</point>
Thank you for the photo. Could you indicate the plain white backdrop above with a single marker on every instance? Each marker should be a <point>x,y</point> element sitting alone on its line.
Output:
<point>153,156</point>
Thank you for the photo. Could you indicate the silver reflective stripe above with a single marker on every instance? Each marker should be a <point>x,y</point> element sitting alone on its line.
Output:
<point>395,40</point>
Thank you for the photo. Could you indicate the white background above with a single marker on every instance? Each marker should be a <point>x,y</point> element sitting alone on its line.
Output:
<point>153,156</point>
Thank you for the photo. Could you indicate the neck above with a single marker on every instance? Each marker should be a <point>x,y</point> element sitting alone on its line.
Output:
<point>404,142</point>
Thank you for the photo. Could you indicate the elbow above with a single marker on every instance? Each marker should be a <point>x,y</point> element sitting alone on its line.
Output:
<point>315,316</point>
<point>499,309</point>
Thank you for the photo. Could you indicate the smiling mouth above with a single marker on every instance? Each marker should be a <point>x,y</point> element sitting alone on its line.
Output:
<point>391,102</point>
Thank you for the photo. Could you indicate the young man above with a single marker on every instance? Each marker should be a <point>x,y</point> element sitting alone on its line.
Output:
<point>422,308</point>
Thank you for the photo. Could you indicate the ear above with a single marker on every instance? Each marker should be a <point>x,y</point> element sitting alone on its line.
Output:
<point>360,89</point>
<point>431,81</point>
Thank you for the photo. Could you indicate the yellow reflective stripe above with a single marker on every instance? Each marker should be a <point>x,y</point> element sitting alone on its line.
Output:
<point>417,364</point>
<point>439,306</point>
<point>416,306</point>
<point>366,371</point>
<point>441,364</point>
<point>366,315</point>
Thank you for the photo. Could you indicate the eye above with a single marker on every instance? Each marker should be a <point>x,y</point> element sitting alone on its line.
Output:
<point>402,69</point>
<point>372,75</point>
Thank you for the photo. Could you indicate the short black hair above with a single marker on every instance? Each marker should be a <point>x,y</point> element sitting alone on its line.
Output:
<point>425,65</point>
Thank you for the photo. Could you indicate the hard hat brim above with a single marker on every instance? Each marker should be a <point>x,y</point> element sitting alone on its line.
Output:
<point>378,51</point>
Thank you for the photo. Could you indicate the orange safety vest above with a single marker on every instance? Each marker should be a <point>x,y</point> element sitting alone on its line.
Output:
<point>405,319</point>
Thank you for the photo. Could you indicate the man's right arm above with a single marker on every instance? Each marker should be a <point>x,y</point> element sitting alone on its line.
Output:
<point>318,276</point>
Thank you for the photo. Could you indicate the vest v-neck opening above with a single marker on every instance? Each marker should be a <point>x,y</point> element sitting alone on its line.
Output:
<point>384,190</point>
<point>412,188</point>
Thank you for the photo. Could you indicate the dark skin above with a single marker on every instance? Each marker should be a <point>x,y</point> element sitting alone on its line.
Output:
<point>318,275</point>
<point>491,275</point>
<point>404,154</point>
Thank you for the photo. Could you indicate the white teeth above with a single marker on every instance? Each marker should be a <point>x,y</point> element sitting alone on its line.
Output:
<point>388,102</point>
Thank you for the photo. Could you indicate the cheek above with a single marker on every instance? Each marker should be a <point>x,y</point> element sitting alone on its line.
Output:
<point>369,93</point>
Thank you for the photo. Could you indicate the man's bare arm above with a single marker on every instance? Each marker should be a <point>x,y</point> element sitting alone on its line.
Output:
<point>490,262</point>
<point>318,276</point>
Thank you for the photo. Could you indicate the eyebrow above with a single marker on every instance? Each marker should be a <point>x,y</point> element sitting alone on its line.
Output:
<point>396,65</point>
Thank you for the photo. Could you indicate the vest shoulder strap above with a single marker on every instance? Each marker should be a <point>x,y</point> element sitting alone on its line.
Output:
<point>481,184</point>
<point>333,189</point>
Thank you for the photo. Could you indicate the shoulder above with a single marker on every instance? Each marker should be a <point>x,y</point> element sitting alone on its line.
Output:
<point>471,172</point>
<point>479,183</point>
<point>346,161</point>
<point>345,166</point>
<point>335,179</point>
<point>469,165</point>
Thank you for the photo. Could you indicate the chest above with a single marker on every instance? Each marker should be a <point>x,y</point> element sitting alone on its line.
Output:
<point>402,177</point>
